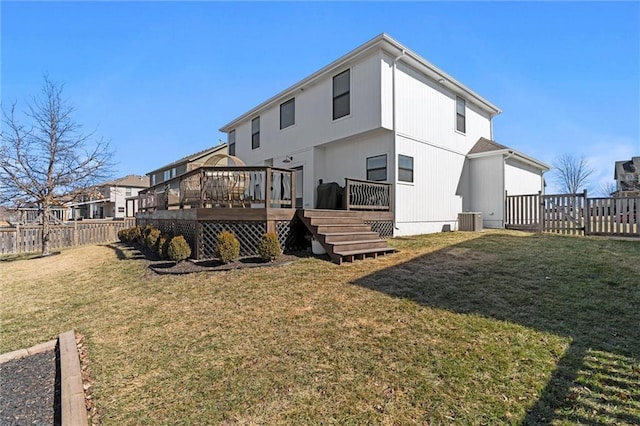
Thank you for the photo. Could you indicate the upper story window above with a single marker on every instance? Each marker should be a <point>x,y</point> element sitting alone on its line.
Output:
<point>377,167</point>
<point>341,94</point>
<point>231,139</point>
<point>127,192</point>
<point>288,113</point>
<point>255,133</point>
<point>167,175</point>
<point>461,115</point>
<point>405,168</point>
<point>153,180</point>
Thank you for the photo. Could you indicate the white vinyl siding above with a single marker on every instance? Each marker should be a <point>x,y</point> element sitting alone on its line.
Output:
<point>521,179</point>
<point>486,189</point>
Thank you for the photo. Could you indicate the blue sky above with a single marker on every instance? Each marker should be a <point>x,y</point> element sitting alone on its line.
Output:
<point>159,78</point>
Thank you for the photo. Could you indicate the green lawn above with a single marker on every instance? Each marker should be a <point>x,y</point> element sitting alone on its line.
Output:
<point>457,328</point>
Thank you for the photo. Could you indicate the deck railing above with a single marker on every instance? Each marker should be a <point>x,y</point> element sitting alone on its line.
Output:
<point>232,187</point>
<point>367,195</point>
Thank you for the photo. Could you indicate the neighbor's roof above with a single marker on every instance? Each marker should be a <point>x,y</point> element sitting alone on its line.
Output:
<point>129,180</point>
<point>631,166</point>
<point>388,44</point>
<point>486,147</point>
<point>190,158</point>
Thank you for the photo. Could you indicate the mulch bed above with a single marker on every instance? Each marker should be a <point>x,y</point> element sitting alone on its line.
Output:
<point>30,390</point>
<point>190,266</point>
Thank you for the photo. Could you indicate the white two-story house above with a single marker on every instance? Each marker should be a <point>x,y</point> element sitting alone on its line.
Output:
<point>383,113</point>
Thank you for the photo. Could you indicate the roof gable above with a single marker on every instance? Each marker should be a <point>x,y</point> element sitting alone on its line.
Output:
<point>389,45</point>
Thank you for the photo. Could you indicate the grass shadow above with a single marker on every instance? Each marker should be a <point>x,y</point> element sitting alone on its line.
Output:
<point>587,290</point>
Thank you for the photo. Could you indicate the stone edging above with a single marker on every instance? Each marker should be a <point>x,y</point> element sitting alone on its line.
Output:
<point>73,409</point>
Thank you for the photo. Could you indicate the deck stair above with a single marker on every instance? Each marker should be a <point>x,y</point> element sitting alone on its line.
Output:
<point>344,235</point>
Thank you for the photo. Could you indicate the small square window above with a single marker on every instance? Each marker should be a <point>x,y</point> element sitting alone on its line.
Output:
<point>255,133</point>
<point>405,168</point>
<point>288,113</point>
<point>377,168</point>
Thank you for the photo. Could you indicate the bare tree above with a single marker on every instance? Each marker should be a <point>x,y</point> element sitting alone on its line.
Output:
<point>608,188</point>
<point>572,173</point>
<point>48,161</point>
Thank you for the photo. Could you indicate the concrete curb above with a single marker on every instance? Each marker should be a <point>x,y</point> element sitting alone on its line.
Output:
<point>73,410</point>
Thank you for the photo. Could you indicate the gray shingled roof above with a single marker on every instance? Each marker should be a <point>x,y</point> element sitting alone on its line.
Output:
<point>486,145</point>
<point>189,158</point>
<point>129,180</point>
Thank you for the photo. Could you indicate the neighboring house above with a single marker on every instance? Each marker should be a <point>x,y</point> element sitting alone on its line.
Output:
<point>185,164</point>
<point>109,199</point>
<point>383,113</point>
<point>627,177</point>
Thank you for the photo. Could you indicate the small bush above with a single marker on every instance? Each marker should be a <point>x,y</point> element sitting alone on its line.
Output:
<point>162,245</point>
<point>178,249</point>
<point>135,234</point>
<point>269,247</point>
<point>152,239</point>
<point>227,247</point>
<point>123,235</point>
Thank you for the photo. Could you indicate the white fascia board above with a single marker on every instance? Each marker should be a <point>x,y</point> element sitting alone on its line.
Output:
<point>507,153</point>
<point>382,42</point>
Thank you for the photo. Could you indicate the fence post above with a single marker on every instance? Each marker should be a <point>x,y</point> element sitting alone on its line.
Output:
<point>587,215</point>
<point>540,212</point>
<point>17,241</point>
<point>75,233</point>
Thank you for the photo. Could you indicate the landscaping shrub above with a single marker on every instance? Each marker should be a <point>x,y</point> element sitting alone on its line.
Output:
<point>162,245</point>
<point>269,247</point>
<point>135,234</point>
<point>123,235</point>
<point>152,239</point>
<point>178,249</point>
<point>227,247</point>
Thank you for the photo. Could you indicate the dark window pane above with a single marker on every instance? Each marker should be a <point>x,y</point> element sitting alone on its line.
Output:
<point>460,123</point>
<point>377,162</point>
<point>405,175</point>
<point>255,141</point>
<point>460,106</point>
<point>287,113</point>
<point>255,125</point>
<point>341,106</point>
<point>341,83</point>
<point>377,174</point>
<point>232,149</point>
<point>405,162</point>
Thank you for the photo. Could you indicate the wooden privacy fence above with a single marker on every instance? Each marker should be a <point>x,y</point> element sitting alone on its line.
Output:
<point>28,238</point>
<point>574,214</point>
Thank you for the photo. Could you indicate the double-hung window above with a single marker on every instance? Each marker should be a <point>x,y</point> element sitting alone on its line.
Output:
<point>377,167</point>
<point>461,115</point>
<point>255,133</point>
<point>231,139</point>
<point>288,113</point>
<point>341,94</point>
<point>405,168</point>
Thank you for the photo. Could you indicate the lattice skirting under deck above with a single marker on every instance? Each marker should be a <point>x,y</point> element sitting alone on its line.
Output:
<point>382,227</point>
<point>186,228</point>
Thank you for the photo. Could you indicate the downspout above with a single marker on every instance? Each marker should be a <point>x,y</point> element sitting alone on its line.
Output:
<point>395,135</point>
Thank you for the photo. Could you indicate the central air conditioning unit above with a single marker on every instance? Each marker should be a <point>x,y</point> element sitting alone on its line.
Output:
<point>470,221</point>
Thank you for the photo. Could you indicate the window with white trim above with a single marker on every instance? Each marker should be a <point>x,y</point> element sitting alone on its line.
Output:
<point>461,115</point>
<point>342,94</point>
<point>255,133</point>
<point>377,168</point>
<point>405,168</point>
<point>288,113</point>
<point>231,139</point>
